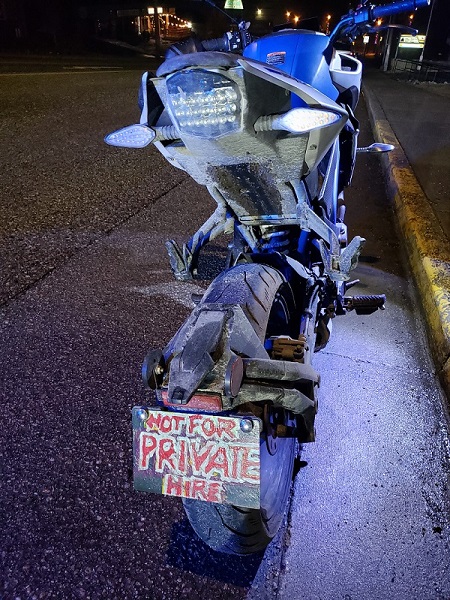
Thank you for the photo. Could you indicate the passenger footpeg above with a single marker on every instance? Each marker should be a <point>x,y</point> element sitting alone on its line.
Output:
<point>365,305</point>
<point>180,260</point>
<point>337,263</point>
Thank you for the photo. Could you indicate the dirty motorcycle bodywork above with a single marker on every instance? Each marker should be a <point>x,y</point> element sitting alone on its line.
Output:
<point>271,134</point>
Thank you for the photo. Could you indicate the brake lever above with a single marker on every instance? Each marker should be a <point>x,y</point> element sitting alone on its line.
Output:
<point>403,28</point>
<point>246,38</point>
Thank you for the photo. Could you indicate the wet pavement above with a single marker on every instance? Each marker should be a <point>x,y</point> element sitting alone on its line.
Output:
<point>419,114</point>
<point>370,516</point>
<point>414,119</point>
<point>91,291</point>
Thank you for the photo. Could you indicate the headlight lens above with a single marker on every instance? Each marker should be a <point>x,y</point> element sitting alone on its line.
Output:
<point>203,103</point>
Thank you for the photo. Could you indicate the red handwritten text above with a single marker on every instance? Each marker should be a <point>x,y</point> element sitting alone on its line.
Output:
<point>197,489</point>
<point>209,427</point>
<point>233,462</point>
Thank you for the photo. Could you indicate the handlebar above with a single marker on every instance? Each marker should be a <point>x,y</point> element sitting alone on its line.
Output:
<point>229,42</point>
<point>396,7</point>
<point>232,41</point>
<point>365,15</point>
<point>351,23</point>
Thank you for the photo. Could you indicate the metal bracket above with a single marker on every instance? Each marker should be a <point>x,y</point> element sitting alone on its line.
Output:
<point>286,348</point>
<point>279,371</point>
<point>338,267</point>
<point>180,260</point>
<point>212,337</point>
<point>183,261</point>
<point>309,221</point>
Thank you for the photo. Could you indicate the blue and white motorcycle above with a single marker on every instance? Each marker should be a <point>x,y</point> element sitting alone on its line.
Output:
<point>268,127</point>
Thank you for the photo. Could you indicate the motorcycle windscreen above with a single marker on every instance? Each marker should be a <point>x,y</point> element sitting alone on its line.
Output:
<point>212,458</point>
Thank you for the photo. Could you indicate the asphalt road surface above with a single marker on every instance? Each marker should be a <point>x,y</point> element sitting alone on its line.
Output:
<point>86,290</point>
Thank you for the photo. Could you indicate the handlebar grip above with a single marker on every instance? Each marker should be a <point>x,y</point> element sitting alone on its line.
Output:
<point>216,44</point>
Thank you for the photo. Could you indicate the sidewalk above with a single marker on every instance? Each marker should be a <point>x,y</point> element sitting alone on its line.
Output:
<point>416,120</point>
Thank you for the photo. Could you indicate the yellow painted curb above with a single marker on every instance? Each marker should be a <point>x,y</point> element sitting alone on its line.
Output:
<point>427,246</point>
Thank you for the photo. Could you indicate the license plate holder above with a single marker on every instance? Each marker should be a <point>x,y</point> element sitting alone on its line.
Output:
<point>213,458</point>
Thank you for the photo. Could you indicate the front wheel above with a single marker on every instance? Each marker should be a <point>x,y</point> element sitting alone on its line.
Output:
<point>269,304</point>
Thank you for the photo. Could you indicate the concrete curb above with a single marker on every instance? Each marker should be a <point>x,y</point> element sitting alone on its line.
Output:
<point>426,244</point>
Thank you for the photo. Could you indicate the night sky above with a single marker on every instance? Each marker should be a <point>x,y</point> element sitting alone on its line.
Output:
<point>55,15</point>
<point>304,8</point>
<point>189,9</point>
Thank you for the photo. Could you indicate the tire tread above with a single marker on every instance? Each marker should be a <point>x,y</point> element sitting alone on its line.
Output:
<point>229,529</point>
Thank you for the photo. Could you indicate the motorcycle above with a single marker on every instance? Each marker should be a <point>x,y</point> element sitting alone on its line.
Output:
<point>268,127</point>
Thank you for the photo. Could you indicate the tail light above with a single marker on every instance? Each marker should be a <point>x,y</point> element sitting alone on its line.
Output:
<point>203,103</point>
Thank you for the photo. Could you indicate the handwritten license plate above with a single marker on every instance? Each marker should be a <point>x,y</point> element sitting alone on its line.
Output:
<point>204,457</point>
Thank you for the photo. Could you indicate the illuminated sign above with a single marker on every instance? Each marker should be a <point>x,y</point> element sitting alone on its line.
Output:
<point>412,41</point>
<point>234,4</point>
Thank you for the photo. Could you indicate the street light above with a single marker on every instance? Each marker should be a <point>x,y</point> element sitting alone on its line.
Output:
<point>377,35</point>
<point>328,24</point>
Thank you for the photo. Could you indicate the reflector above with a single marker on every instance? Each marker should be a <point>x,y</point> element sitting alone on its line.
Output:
<point>201,402</point>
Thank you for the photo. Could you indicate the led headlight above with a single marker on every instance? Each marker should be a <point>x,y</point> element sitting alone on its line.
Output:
<point>203,103</point>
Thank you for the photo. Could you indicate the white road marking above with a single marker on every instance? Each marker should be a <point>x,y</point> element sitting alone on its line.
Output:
<point>71,72</point>
<point>85,68</point>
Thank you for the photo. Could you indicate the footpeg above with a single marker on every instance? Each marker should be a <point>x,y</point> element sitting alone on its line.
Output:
<point>180,260</point>
<point>365,305</point>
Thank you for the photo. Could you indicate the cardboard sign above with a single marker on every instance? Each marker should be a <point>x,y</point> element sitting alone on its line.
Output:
<point>197,456</point>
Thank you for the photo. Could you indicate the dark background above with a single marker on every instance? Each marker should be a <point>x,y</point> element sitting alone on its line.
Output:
<point>69,26</point>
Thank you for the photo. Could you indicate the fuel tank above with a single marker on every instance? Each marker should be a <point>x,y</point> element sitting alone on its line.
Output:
<point>303,54</point>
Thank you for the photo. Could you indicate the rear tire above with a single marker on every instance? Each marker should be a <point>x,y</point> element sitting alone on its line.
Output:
<point>269,305</point>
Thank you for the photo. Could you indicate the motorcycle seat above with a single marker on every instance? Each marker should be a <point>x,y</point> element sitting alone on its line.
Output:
<point>198,59</point>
